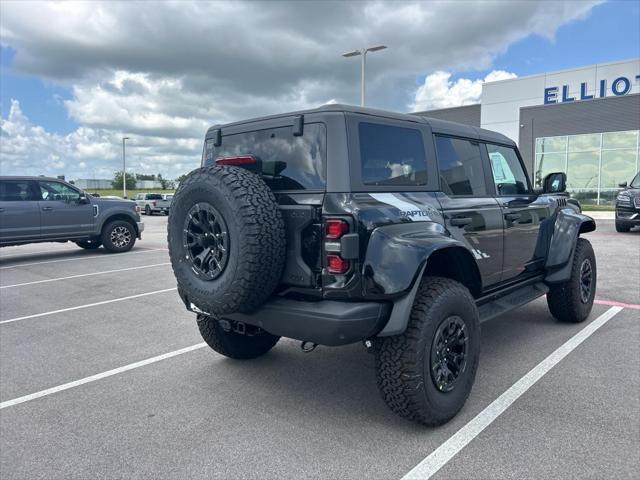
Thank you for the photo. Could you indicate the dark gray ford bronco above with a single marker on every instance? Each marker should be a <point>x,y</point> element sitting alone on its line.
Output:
<point>341,224</point>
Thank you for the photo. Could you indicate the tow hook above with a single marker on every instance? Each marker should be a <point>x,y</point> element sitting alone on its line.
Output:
<point>368,344</point>
<point>308,347</point>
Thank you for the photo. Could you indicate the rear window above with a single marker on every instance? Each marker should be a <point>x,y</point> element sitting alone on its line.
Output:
<point>392,155</point>
<point>287,162</point>
<point>154,196</point>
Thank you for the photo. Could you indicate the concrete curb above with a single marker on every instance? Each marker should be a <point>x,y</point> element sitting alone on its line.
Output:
<point>597,215</point>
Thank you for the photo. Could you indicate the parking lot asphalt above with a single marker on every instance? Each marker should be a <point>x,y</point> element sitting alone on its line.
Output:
<point>288,414</point>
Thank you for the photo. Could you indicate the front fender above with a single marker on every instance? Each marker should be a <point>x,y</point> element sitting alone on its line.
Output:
<point>396,254</point>
<point>568,225</point>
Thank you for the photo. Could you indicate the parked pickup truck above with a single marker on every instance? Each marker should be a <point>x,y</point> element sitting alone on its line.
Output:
<point>39,209</point>
<point>151,203</point>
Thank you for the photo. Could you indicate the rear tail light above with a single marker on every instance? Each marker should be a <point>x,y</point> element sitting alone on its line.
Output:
<point>334,229</point>
<point>153,203</point>
<point>335,264</point>
<point>239,161</point>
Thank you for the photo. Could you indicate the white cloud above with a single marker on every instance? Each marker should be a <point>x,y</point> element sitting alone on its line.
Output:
<point>438,91</point>
<point>163,79</point>
<point>29,149</point>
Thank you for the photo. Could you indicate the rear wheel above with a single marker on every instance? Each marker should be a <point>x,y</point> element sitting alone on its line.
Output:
<point>238,341</point>
<point>118,236</point>
<point>147,210</point>
<point>426,373</point>
<point>90,244</point>
<point>622,227</point>
<point>571,301</point>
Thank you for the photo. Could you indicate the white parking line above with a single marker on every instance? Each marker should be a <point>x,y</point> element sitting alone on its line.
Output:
<point>85,257</point>
<point>84,275</point>
<point>79,307</point>
<point>99,376</point>
<point>445,452</point>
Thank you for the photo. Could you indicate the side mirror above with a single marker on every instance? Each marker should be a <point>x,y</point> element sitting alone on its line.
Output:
<point>555,183</point>
<point>83,200</point>
<point>623,185</point>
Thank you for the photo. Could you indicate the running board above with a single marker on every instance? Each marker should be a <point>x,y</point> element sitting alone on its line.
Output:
<point>511,300</point>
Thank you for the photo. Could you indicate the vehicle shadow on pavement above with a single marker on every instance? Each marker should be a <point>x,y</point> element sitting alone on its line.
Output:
<point>340,384</point>
<point>15,260</point>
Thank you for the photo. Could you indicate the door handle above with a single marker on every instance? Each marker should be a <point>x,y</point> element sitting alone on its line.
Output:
<point>1,210</point>
<point>47,209</point>
<point>512,216</point>
<point>460,221</point>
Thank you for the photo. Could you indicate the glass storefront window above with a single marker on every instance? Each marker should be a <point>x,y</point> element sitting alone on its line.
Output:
<point>584,143</point>
<point>582,171</point>
<point>617,166</point>
<point>595,163</point>
<point>620,140</point>
<point>551,144</point>
<point>548,163</point>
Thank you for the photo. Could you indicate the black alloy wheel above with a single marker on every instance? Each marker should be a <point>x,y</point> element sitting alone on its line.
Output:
<point>206,241</point>
<point>586,280</point>
<point>449,353</point>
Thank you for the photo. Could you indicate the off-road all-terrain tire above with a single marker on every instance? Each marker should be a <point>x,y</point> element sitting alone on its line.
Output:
<point>404,362</point>
<point>568,301</point>
<point>232,344</point>
<point>118,236</point>
<point>89,244</point>
<point>248,268</point>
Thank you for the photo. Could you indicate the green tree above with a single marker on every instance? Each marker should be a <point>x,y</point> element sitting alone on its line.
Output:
<point>181,178</point>
<point>116,183</point>
<point>163,183</point>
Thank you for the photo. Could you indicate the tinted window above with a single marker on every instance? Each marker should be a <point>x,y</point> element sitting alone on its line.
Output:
<point>460,165</point>
<point>154,196</point>
<point>17,191</point>
<point>392,155</point>
<point>55,191</point>
<point>285,161</point>
<point>508,174</point>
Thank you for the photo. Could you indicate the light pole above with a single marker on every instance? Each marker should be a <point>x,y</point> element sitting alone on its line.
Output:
<point>124,170</point>
<point>363,54</point>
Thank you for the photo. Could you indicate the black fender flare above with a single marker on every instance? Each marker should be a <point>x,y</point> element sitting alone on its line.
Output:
<point>568,226</point>
<point>396,259</point>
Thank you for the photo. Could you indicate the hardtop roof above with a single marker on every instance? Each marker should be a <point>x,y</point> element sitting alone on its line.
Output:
<point>437,126</point>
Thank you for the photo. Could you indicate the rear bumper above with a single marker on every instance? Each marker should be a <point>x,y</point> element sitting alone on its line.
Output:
<point>325,322</point>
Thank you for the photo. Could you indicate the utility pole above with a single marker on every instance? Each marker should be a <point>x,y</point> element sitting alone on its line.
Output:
<point>124,170</point>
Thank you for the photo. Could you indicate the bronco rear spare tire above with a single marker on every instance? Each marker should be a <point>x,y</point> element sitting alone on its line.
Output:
<point>226,239</point>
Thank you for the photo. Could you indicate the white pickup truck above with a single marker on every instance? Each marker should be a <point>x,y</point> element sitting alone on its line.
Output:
<point>150,203</point>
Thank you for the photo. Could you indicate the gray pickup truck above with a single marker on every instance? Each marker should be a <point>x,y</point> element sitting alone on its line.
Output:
<point>40,209</point>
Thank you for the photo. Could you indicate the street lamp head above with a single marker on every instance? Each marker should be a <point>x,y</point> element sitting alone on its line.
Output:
<point>353,53</point>
<point>376,48</point>
<point>125,138</point>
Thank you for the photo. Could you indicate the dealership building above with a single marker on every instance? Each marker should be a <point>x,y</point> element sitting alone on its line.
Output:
<point>583,121</point>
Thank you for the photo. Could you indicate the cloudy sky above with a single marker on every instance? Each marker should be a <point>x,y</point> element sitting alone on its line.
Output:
<point>75,77</point>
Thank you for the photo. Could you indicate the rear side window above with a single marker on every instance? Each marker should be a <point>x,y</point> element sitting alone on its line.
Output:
<point>391,155</point>
<point>287,162</point>
<point>17,191</point>
<point>460,165</point>
<point>508,174</point>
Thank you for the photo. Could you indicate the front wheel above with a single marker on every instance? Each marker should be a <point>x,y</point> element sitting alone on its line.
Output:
<point>118,236</point>
<point>426,373</point>
<point>240,344</point>
<point>147,210</point>
<point>571,301</point>
<point>622,227</point>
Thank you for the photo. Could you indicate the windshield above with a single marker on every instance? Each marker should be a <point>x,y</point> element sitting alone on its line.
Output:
<point>635,183</point>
